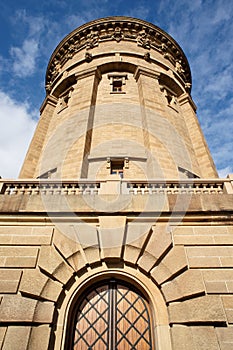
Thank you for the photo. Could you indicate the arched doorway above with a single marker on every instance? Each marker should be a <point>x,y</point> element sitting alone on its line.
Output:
<point>112,315</point>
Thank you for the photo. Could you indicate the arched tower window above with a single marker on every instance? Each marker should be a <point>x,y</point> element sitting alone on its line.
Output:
<point>112,315</point>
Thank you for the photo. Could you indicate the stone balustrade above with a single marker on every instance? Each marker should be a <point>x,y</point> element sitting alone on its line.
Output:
<point>133,187</point>
<point>49,187</point>
<point>190,186</point>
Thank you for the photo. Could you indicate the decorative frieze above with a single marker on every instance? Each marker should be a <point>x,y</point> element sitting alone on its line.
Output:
<point>117,29</point>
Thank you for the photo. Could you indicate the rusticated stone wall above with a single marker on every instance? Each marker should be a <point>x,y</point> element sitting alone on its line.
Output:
<point>188,260</point>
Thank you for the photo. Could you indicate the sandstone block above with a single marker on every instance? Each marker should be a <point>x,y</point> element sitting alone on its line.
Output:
<point>131,253</point>
<point>44,312</point>
<point>221,276</point>
<point>66,243</point>
<point>2,335</point>
<point>202,309</point>
<point>188,284</point>
<point>16,337</point>
<point>69,247</point>
<point>192,338</point>
<point>39,337</point>
<point>170,265</point>
<point>136,236</point>
<point>52,262</point>
<point>82,233</point>
<point>147,261</point>
<point>37,284</point>
<point>9,281</point>
<point>111,235</point>
<point>215,287</point>
<point>228,306</point>
<point>17,309</point>
<point>92,254</point>
<point>205,338</point>
<point>182,338</point>
<point>193,240</point>
<point>225,337</point>
<point>214,256</point>
<point>159,242</point>
<point>26,235</point>
<point>18,256</point>
<point>182,230</point>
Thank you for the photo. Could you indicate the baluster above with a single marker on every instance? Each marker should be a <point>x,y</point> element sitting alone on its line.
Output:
<point>64,189</point>
<point>168,188</point>
<point>95,190</point>
<point>146,189</point>
<point>183,188</point>
<point>131,189</point>
<point>72,189</point>
<point>14,189</point>
<point>161,188</point>
<point>153,188</point>
<point>219,188</point>
<point>8,189</point>
<point>80,188</point>
<point>139,189</point>
<point>205,189</point>
<point>88,189</point>
<point>212,189</point>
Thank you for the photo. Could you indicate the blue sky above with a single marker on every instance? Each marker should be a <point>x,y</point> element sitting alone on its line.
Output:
<point>31,29</point>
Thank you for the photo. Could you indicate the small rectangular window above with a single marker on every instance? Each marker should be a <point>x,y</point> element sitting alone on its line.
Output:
<point>117,82</point>
<point>117,168</point>
<point>117,86</point>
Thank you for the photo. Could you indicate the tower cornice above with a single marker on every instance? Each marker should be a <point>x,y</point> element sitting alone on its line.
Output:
<point>144,34</point>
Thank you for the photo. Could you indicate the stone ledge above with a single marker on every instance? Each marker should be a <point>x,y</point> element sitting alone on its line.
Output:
<point>126,203</point>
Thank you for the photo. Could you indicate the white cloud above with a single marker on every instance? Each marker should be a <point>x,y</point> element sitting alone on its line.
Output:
<point>225,171</point>
<point>24,58</point>
<point>24,55</point>
<point>17,127</point>
<point>138,12</point>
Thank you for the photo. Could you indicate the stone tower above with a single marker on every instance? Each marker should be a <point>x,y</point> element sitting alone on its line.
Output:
<point>118,233</point>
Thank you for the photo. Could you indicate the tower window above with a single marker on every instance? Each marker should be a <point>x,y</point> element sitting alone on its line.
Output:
<point>117,86</point>
<point>64,98</point>
<point>187,174</point>
<point>117,82</point>
<point>48,174</point>
<point>117,168</point>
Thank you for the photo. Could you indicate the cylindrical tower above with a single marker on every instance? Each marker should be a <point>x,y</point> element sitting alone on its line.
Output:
<point>118,102</point>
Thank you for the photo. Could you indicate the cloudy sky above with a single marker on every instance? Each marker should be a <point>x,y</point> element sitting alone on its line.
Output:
<point>31,29</point>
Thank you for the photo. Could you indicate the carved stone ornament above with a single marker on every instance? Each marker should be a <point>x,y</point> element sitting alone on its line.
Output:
<point>92,39</point>
<point>188,86</point>
<point>88,57</point>
<point>144,34</point>
<point>56,69</point>
<point>118,35</point>
<point>71,51</point>
<point>170,58</point>
<point>143,39</point>
<point>48,87</point>
<point>178,67</point>
<point>147,57</point>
